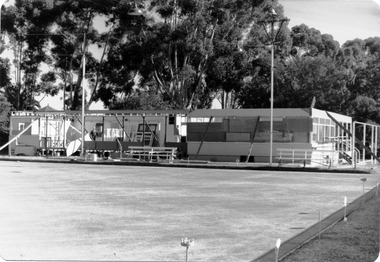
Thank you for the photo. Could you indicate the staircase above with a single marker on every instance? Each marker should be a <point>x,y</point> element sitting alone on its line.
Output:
<point>146,136</point>
<point>346,157</point>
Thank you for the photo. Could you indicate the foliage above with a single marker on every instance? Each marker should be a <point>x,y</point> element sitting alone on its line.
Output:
<point>141,100</point>
<point>255,91</point>
<point>72,35</point>
<point>310,42</point>
<point>183,54</point>
<point>27,24</point>
<point>340,79</point>
<point>5,109</point>
<point>183,42</point>
<point>4,72</point>
<point>5,106</point>
<point>307,77</point>
<point>361,58</point>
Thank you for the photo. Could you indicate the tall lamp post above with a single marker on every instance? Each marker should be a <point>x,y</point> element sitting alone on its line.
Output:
<point>272,37</point>
<point>83,94</point>
<point>1,33</point>
<point>135,12</point>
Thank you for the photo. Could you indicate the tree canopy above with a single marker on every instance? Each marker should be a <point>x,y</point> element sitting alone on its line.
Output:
<point>181,54</point>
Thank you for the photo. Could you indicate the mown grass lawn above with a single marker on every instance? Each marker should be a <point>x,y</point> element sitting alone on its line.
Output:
<point>84,212</point>
<point>356,240</point>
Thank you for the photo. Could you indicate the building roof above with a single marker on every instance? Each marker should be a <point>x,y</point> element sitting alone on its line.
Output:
<point>47,108</point>
<point>277,112</point>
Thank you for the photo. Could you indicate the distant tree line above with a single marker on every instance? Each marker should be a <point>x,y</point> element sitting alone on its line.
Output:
<point>179,54</point>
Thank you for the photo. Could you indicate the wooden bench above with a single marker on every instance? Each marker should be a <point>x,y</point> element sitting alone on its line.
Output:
<point>169,153</point>
<point>284,154</point>
<point>149,153</point>
<point>140,152</point>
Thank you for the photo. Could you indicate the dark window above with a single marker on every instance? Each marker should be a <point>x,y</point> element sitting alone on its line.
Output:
<point>151,127</point>
<point>171,120</point>
<point>99,129</point>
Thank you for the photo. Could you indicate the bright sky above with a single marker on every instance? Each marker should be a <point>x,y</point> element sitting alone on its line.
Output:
<point>343,19</point>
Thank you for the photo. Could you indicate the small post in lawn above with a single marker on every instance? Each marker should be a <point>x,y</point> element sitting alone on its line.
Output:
<point>277,248</point>
<point>345,209</point>
<point>320,226</point>
<point>364,179</point>
<point>185,242</point>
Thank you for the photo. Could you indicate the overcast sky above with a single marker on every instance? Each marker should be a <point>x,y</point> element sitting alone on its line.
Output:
<point>343,19</point>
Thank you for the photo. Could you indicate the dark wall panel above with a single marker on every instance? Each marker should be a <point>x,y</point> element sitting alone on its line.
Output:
<point>209,137</point>
<point>242,125</point>
<point>238,137</point>
<point>299,124</point>
<point>201,127</point>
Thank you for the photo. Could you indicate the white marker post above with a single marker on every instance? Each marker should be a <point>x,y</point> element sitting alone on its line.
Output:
<point>277,249</point>
<point>320,226</point>
<point>364,179</point>
<point>345,209</point>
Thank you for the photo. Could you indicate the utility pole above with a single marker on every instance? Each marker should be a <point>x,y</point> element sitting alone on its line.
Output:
<point>83,93</point>
<point>19,57</point>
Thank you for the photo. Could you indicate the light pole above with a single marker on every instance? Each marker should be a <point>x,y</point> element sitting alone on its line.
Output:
<point>83,94</point>
<point>272,37</point>
<point>134,12</point>
<point>1,35</point>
